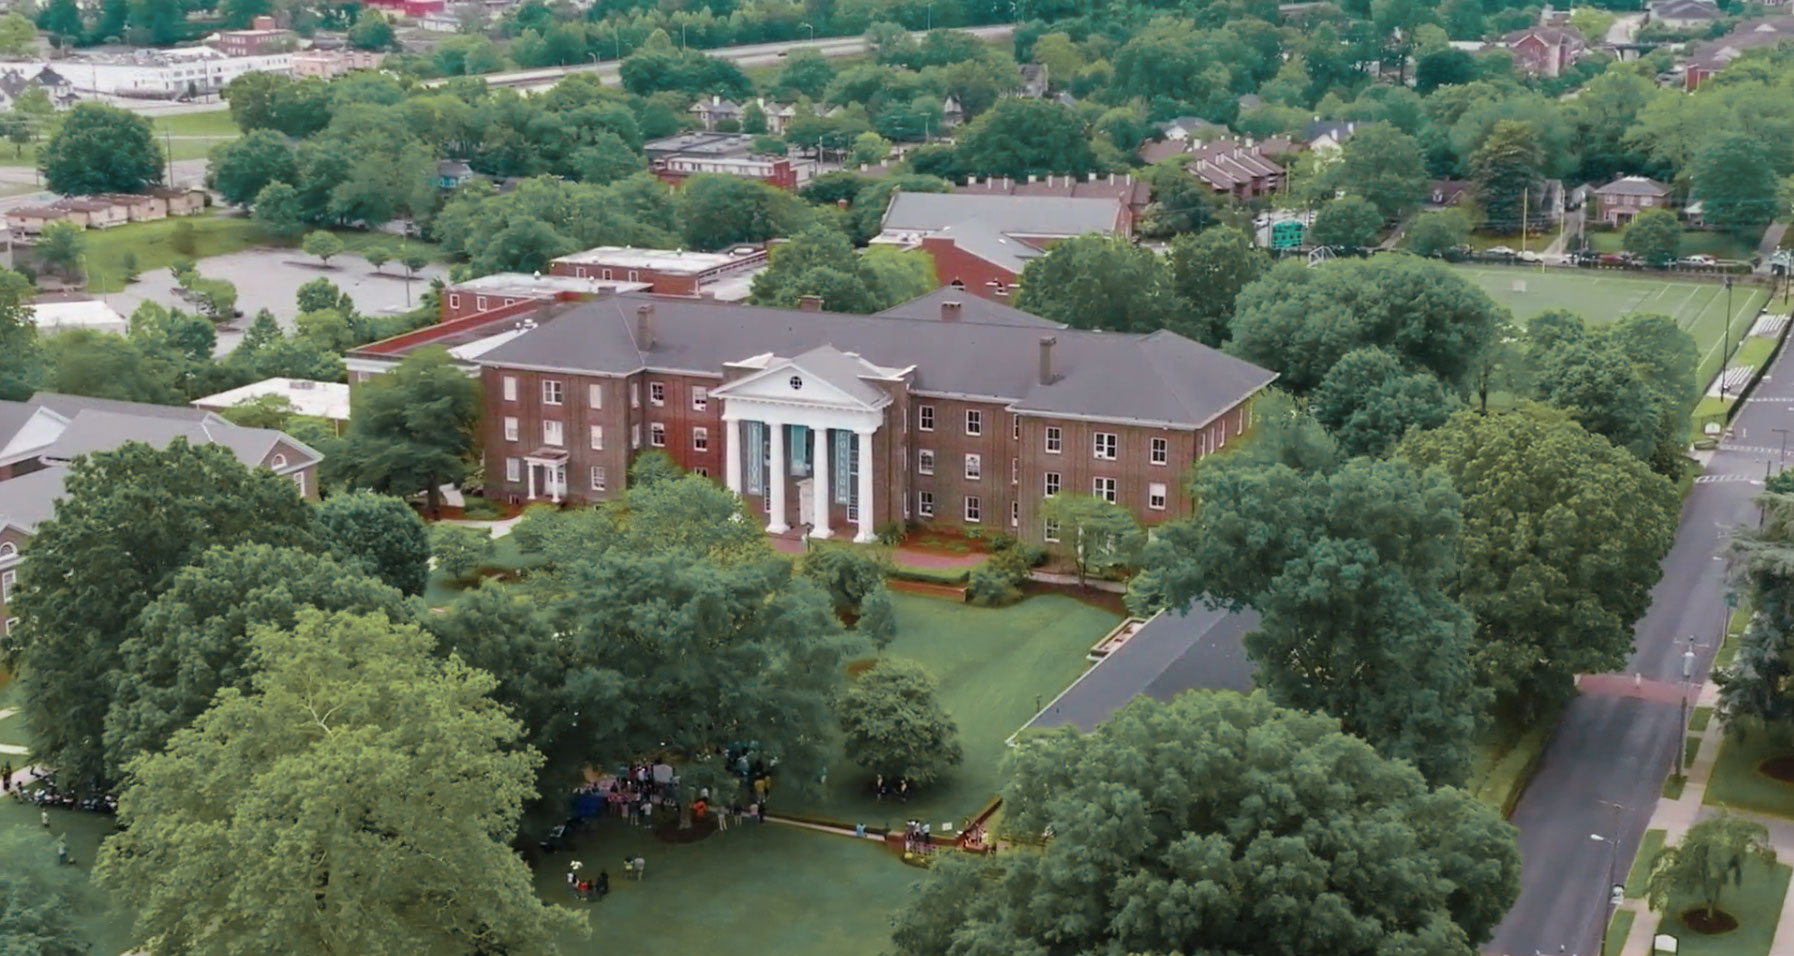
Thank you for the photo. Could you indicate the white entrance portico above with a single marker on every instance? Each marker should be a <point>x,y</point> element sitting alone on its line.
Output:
<point>810,417</point>
<point>552,463</point>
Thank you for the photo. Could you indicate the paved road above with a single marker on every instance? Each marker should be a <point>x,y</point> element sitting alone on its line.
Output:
<point>1616,741</point>
<point>754,54</point>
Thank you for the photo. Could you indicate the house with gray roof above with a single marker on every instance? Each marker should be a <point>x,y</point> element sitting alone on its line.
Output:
<point>1624,198</point>
<point>980,242</point>
<point>946,411</point>
<point>40,437</point>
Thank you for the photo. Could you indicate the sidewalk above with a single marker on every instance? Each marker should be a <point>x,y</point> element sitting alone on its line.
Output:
<point>1674,817</point>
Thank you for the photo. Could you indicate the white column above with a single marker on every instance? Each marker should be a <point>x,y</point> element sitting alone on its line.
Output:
<point>775,473</point>
<point>864,442</point>
<point>820,490</point>
<point>557,482</point>
<point>732,454</point>
<point>529,470</point>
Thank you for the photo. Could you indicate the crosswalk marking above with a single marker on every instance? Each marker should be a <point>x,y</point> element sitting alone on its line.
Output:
<point>1717,479</point>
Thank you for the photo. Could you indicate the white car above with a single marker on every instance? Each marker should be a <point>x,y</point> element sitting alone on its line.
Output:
<point>1529,257</point>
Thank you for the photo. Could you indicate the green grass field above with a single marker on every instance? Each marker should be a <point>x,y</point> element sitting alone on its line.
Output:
<point>1601,297</point>
<point>1756,903</point>
<point>1736,783</point>
<point>1719,245</point>
<point>1638,878</point>
<point>993,665</point>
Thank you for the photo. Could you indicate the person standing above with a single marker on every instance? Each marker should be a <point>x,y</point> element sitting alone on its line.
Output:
<point>62,850</point>
<point>6,777</point>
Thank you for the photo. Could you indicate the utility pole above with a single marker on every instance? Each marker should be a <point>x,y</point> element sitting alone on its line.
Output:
<point>1725,341</point>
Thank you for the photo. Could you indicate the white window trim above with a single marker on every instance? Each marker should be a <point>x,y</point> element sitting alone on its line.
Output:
<point>657,435</point>
<point>553,392</point>
<point>925,418</point>
<point>974,421</point>
<point>974,467</point>
<point>1050,483</point>
<point>925,504</point>
<point>700,398</point>
<point>595,436</point>
<point>924,461</point>
<point>1159,451</point>
<point>1097,489</point>
<point>513,469</point>
<point>511,428</point>
<point>594,395</point>
<point>700,439</point>
<point>1157,490</point>
<point>970,504</point>
<point>1049,530</point>
<point>1054,441</point>
<point>1097,443</point>
<point>554,433</point>
<point>657,394</point>
<point>510,387</point>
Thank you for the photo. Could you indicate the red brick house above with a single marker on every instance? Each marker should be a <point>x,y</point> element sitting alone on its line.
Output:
<point>1545,51</point>
<point>1626,197</point>
<point>1236,169</point>
<point>663,271</point>
<point>947,411</point>
<point>981,243</point>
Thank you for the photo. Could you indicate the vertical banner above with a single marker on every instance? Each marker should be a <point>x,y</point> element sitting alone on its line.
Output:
<point>838,461</point>
<point>795,436</point>
<point>755,450</point>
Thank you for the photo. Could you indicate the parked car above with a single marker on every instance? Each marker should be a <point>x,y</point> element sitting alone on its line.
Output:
<point>1499,252</point>
<point>1529,257</point>
<point>1701,261</point>
<point>1616,258</point>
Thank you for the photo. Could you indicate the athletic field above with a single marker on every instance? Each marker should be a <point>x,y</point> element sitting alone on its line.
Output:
<point>1603,296</point>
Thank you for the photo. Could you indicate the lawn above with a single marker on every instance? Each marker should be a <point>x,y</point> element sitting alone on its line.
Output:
<point>1639,877</point>
<point>996,666</point>
<point>1736,783</point>
<point>505,557</point>
<point>1616,932</point>
<point>12,729</point>
<point>1602,296</point>
<point>1757,904</point>
<point>1503,764</point>
<point>215,123</point>
<point>769,888</point>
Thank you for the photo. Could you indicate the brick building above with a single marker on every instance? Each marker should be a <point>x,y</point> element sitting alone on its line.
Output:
<point>947,411</point>
<point>1623,199</point>
<point>666,271</point>
<point>38,438</point>
<point>677,158</point>
<point>263,36</point>
<point>981,243</point>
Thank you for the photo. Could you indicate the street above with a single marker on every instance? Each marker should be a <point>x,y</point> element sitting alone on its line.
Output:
<point>1604,766</point>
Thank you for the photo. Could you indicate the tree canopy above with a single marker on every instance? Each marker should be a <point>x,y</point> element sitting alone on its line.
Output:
<point>895,727</point>
<point>1200,825</point>
<point>413,429</point>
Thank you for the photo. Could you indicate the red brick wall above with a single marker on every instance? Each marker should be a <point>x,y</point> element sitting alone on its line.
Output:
<point>952,263</point>
<point>461,305</point>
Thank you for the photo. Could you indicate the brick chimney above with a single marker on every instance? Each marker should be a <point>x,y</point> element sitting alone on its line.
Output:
<point>950,311</point>
<point>1046,359</point>
<point>644,326</point>
<point>810,303</point>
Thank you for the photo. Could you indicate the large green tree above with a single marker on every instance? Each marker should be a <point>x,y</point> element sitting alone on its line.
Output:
<point>359,799</point>
<point>1503,170</point>
<point>413,429</point>
<point>1712,853</point>
<point>1757,689</point>
<point>1099,282</point>
<point>242,168</point>
<point>1021,137</point>
<point>1369,401</point>
<point>1347,571</point>
<point>1735,181</point>
<point>1436,233</point>
<point>716,211</point>
<point>1349,222</point>
<point>193,640</point>
<point>1221,824</point>
<point>1300,321</point>
<point>101,149</point>
<point>895,726</point>
<point>129,520</point>
<point>1654,235</point>
<point>21,354</point>
<point>1208,270</point>
<point>1559,551</point>
<point>1384,165</point>
<point>380,532</point>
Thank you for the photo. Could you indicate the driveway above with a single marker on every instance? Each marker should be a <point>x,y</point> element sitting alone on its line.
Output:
<point>1615,742</point>
<point>269,278</point>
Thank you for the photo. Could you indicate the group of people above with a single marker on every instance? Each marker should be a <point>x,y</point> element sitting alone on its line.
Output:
<point>42,791</point>
<point>898,788</point>
<point>916,836</point>
<point>586,890</point>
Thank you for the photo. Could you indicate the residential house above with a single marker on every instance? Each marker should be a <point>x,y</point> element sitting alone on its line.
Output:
<point>1626,197</point>
<point>139,207</point>
<point>981,243</point>
<point>1235,169</point>
<point>1544,50</point>
<point>1682,14</point>
<point>1326,136</point>
<point>1441,193</point>
<point>38,439</point>
<point>778,115</point>
<point>717,110</point>
<point>31,220</point>
<point>1711,57</point>
<point>181,202</point>
<point>940,414</point>
<point>452,173</point>
<point>1184,128</point>
<point>952,114</point>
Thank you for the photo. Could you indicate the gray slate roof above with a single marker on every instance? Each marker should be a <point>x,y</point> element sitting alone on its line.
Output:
<point>987,225</point>
<point>843,371</point>
<point>69,406</point>
<point>1200,649</point>
<point>13,416</point>
<point>94,431</point>
<point>972,308</point>
<point>1160,378</point>
<point>1633,186</point>
<point>30,498</point>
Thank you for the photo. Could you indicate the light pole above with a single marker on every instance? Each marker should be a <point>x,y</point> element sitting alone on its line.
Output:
<point>811,29</point>
<point>1782,458</point>
<point>1613,854</point>
<point>594,57</point>
<point>1725,355</point>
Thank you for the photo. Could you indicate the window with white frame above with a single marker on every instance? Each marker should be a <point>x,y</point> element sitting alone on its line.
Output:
<point>1105,446</point>
<point>657,435</point>
<point>700,439</point>
<point>597,477</point>
<point>657,393</point>
<point>1015,427</point>
<point>700,398</point>
<point>635,395</point>
<point>1055,440</point>
<point>551,391</point>
<point>925,504</point>
<point>635,436</point>
<point>701,472</point>
<point>1015,470</point>
<point>1052,483</point>
<point>1161,451</point>
<point>925,417</point>
<point>513,469</point>
<point>553,434</point>
<point>299,482</point>
<point>1155,496</point>
<point>924,462</point>
<point>510,428</point>
<point>479,302</point>
<point>597,437</point>
<point>7,580</point>
<point>12,624</point>
<point>510,387</point>
<point>974,509</point>
<point>1015,514</point>
<point>8,549</point>
<point>1050,529</point>
<point>595,395</point>
<point>974,467</point>
<point>454,300</point>
<point>974,422</point>
<point>1103,488</point>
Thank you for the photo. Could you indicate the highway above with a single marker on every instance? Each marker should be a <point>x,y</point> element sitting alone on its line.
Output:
<point>1604,765</point>
<point>754,54</point>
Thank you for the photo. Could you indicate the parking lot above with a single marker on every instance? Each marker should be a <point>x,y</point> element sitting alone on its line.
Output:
<point>269,278</point>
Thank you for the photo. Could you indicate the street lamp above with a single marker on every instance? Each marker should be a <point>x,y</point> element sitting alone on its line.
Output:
<point>811,29</point>
<point>1781,458</point>
<point>1725,355</point>
<point>594,57</point>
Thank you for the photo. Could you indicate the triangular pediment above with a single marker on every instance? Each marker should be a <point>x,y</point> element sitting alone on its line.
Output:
<point>822,376</point>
